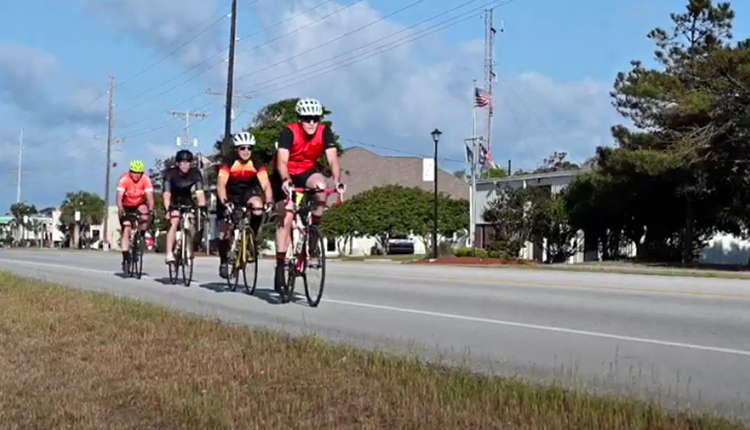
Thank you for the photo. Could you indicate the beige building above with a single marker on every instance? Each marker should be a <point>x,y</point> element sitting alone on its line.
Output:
<point>363,170</point>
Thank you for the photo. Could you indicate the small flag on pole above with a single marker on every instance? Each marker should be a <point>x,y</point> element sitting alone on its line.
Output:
<point>486,157</point>
<point>482,98</point>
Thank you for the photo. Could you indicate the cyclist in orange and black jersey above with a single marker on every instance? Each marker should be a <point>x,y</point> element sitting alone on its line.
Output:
<point>242,181</point>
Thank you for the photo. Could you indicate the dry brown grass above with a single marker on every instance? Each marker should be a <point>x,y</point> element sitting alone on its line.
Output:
<point>76,360</point>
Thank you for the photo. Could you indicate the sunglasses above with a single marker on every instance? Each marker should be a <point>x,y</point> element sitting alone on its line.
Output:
<point>309,118</point>
<point>243,148</point>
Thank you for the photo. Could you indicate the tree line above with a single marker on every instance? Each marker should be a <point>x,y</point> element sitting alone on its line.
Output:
<point>680,175</point>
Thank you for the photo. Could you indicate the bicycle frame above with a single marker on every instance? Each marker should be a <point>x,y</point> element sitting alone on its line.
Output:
<point>299,230</point>
<point>239,230</point>
<point>135,235</point>
<point>183,227</point>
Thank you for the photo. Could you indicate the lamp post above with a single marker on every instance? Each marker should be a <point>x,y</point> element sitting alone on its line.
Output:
<point>435,138</point>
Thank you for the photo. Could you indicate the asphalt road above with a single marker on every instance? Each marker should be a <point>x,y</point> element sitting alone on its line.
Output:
<point>686,340</point>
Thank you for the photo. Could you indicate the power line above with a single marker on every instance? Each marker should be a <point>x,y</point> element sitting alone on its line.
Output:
<point>221,61</point>
<point>378,50</point>
<point>403,41</point>
<point>410,5</point>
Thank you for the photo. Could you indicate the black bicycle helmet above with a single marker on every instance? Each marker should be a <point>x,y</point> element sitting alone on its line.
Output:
<point>183,155</point>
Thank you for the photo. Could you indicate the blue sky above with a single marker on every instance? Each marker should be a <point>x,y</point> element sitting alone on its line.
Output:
<point>556,63</point>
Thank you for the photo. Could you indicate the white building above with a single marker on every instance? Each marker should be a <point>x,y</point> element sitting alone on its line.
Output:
<point>722,249</point>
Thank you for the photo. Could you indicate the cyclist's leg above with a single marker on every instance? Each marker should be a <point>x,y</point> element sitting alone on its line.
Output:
<point>126,228</point>
<point>144,218</point>
<point>255,203</point>
<point>283,228</point>
<point>223,238</point>
<point>314,179</point>
<point>174,218</point>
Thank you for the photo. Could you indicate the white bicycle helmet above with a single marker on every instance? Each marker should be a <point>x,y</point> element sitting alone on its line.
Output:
<point>309,107</point>
<point>244,139</point>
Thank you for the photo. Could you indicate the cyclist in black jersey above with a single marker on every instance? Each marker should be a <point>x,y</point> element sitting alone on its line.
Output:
<point>179,183</point>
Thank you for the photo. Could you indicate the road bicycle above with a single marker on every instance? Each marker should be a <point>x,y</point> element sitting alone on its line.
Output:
<point>306,244</point>
<point>184,257</point>
<point>137,244</point>
<point>243,250</point>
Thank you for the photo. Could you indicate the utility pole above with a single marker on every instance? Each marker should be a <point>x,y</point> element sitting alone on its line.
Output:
<point>230,73</point>
<point>233,115</point>
<point>489,70</point>
<point>20,166</point>
<point>110,138</point>
<point>187,115</point>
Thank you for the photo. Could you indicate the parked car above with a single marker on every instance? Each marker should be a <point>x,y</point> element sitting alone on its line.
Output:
<point>400,244</point>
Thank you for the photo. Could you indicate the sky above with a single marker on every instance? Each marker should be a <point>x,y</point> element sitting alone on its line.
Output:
<point>390,71</point>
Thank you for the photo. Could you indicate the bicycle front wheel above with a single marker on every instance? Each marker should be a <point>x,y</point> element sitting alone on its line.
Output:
<point>235,263</point>
<point>315,271</point>
<point>187,258</point>
<point>137,249</point>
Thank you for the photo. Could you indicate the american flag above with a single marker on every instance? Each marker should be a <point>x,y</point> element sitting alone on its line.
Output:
<point>482,98</point>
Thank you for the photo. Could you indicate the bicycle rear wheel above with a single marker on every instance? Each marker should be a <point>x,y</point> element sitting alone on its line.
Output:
<point>136,254</point>
<point>251,257</point>
<point>315,265</point>
<point>290,275</point>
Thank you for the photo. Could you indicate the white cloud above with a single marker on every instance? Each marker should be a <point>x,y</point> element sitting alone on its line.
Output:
<point>392,99</point>
<point>27,72</point>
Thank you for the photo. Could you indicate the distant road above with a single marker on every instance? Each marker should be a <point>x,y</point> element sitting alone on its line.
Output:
<point>687,336</point>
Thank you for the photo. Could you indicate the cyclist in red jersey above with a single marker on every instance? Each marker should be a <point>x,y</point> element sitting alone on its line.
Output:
<point>300,146</point>
<point>135,193</point>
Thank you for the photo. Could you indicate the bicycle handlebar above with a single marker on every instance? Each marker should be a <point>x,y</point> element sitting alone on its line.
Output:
<point>326,191</point>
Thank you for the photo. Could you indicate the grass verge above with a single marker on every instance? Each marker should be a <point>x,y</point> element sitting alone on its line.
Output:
<point>73,359</point>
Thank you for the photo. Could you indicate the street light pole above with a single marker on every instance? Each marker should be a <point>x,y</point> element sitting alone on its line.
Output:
<point>435,138</point>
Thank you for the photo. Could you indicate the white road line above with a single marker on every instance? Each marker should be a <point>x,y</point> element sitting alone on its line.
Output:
<point>464,317</point>
<point>544,328</point>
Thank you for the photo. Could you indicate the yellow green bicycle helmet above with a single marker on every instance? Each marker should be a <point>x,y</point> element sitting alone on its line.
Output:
<point>137,166</point>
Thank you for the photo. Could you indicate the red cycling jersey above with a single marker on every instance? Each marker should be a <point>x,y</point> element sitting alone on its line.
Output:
<point>134,193</point>
<point>304,150</point>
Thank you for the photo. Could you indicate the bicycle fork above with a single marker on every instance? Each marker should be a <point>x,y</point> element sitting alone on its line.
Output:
<point>299,232</point>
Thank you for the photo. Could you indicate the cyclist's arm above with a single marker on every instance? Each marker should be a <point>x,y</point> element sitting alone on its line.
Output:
<point>121,184</point>
<point>263,178</point>
<point>221,183</point>
<point>149,193</point>
<point>332,154</point>
<point>167,193</point>
<point>199,194</point>
<point>286,140</point>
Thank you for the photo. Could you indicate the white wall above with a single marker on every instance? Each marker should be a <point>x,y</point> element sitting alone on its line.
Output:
<point>726,249</point>
<point>359,246</point>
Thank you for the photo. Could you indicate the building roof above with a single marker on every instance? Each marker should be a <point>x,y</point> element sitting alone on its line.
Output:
<point>531,176</point>
<point>362,170</point>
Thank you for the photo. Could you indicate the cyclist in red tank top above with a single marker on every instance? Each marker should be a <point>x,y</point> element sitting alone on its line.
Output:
<point>300,147</point>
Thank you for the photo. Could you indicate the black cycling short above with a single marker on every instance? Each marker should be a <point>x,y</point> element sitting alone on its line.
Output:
<point>130,212</point>
<point>298,181</point>
<point>178,200</point>
<point>239,199</point>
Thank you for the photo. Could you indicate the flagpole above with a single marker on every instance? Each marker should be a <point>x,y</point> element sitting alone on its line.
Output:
<point>473,186</point>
